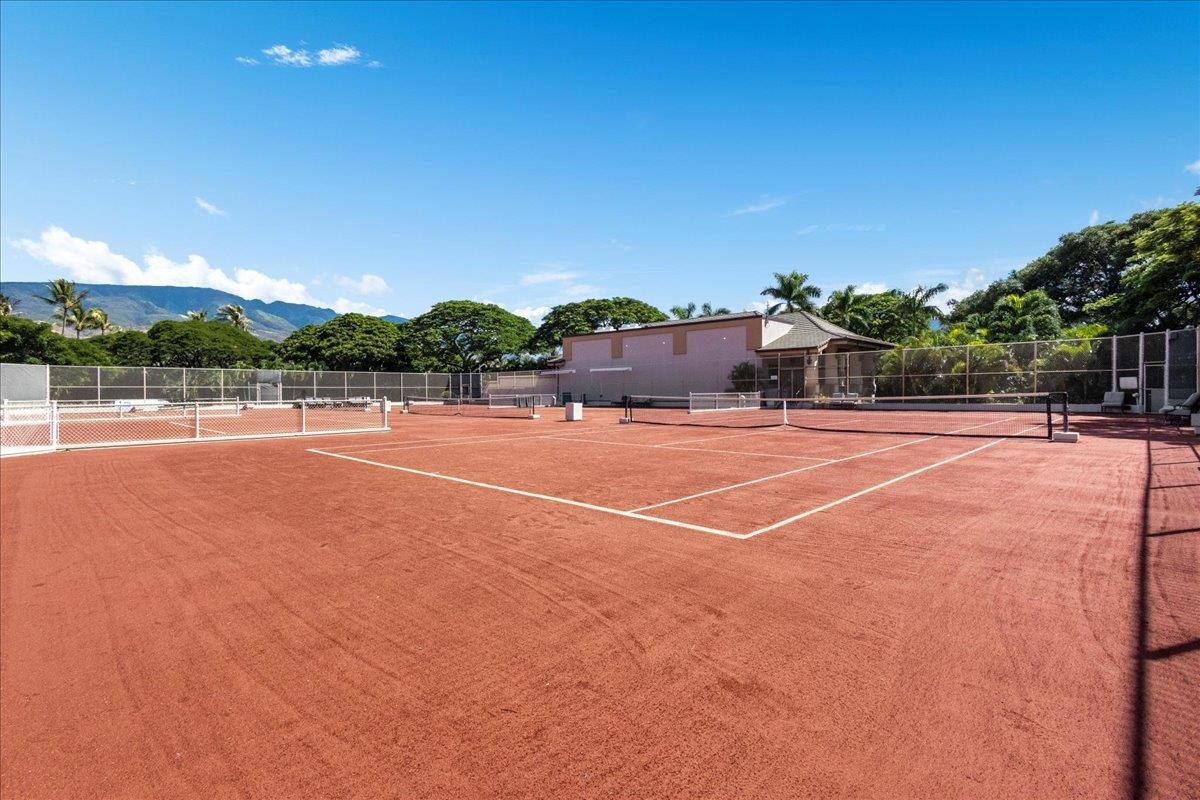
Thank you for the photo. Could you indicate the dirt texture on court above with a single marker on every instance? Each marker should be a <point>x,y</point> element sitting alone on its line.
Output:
<point>254,620</point>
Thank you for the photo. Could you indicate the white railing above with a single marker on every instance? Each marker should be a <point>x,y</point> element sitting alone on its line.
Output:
<point>30,427</point>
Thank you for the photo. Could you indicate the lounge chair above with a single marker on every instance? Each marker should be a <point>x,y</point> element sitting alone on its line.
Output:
<point>1181,413</point>
<point>1113,401</point>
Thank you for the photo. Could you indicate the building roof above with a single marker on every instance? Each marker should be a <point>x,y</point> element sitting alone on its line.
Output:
<point>693,320</point>
<point>810,332</point>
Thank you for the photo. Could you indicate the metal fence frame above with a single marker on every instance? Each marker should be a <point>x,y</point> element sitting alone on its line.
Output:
<point>1162,364</point>
<point>36,427</point>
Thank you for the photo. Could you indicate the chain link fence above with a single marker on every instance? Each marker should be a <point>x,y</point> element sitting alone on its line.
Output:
<point>27,427</point>
<point>1153,368</point>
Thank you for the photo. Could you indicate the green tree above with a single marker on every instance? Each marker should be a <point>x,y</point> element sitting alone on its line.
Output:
<point>589,316</point>
<point>128,348</point>
<point>1022,318</point>
<point>199,315</point>
<point>1162,288</point>
<point>235,315</point>
<point>847,308</point>
<point>706,310</point>
<point>792,292</point>
<point>346,342</point>
<point>25,341</point>
<point>206,344</point>
<point>86,319</point>
<point>464,336</point>
<point>683,312</point>
<point>63,295</point>
<point>101,322</point>
<point>7,305</point>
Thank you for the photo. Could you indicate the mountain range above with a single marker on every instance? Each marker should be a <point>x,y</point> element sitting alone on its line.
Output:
<point>139,307</point>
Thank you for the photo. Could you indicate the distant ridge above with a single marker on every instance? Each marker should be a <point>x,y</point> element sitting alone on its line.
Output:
<point>141,306</point>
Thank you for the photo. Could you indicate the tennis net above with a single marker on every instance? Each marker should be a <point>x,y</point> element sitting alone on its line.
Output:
<point>991,415</point>
<point>523,407</point>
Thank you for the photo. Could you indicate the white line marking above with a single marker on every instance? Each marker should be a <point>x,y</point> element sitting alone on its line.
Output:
<point>869,489</point>
<point>550,498</point>
<point>781,474</point>
<point>694,449</point>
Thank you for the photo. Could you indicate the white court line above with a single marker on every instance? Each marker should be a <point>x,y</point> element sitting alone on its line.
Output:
<point>191,426</point>
<point>869,489</point>
<point>563,500</point>
<point>781,474</point>
<point>668,446</point>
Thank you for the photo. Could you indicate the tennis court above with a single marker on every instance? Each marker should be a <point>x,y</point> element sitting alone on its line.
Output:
<point>483,604</point>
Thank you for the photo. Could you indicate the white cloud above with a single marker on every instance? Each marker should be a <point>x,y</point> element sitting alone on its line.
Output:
<point>870,288</point>
<point>580,289</point>
<point>209,208</point>
<point>1193,167</point>
<point>532,313</point>
<point>970,281</point>
<point>338,55</point>
<point>549,276</point>
<point>765,204</point>
<point>95,262</point>
<point>843,227</point>
<point>344,306</point>
<point>367,284</point>
<point>1094,217</point>
<point>285,56</point>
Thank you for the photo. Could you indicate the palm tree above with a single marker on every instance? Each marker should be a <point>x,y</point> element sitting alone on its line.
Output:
<point>684,312</point>
<point>845,307</point>
<point>63,295</point>
<point>83,319</point>
<point>235,315</point>
<point>101,322</point>
<point>197,316</point>
<point>913,311</point>
<point>793,293</point>
<point>707,310</point>
<point>7,305</point>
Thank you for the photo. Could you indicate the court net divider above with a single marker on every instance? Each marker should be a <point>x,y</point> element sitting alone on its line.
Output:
<point>1026,415</point>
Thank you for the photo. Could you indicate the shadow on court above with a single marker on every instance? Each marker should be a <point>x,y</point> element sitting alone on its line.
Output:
<point>1164,752</point>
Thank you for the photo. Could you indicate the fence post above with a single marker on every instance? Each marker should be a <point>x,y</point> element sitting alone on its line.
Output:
<point>1167,366</point>
<point>967,367</point>
<point>196,409</point>
<point>54,424</point>
<point>304,415</point>
<point>98,398</point>
<point>1035,366</point>
<point>1114,363</point>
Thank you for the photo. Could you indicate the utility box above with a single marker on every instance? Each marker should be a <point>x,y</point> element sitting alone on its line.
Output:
<point>574,412</point>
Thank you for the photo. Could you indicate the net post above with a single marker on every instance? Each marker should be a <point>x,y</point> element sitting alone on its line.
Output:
<point>1050,417</point>
<point>383,409</point>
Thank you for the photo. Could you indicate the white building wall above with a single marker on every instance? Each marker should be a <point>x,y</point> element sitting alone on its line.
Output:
<point>648,364</point>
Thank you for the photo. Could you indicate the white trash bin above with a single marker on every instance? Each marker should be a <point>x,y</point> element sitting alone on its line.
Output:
<point>574,412</point>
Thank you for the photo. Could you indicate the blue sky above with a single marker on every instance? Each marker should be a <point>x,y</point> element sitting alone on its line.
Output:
<point>386,157</point>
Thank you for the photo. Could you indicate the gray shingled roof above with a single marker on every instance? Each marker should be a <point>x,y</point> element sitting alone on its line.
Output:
<point>713,318</point>
<point>810,331</point>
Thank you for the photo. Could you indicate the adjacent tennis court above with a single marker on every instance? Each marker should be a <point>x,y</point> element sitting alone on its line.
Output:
<point>482,602</point>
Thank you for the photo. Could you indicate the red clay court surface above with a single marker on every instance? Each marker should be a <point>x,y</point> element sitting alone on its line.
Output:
<point>517,608</point>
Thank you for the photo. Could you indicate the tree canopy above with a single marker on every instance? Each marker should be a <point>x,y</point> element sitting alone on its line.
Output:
<point>463,336</point>
<point>207,344</point>
<point>1139,275</point>
<point>588,316</point>
<point>346,342</point>
<point>23,341</point>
